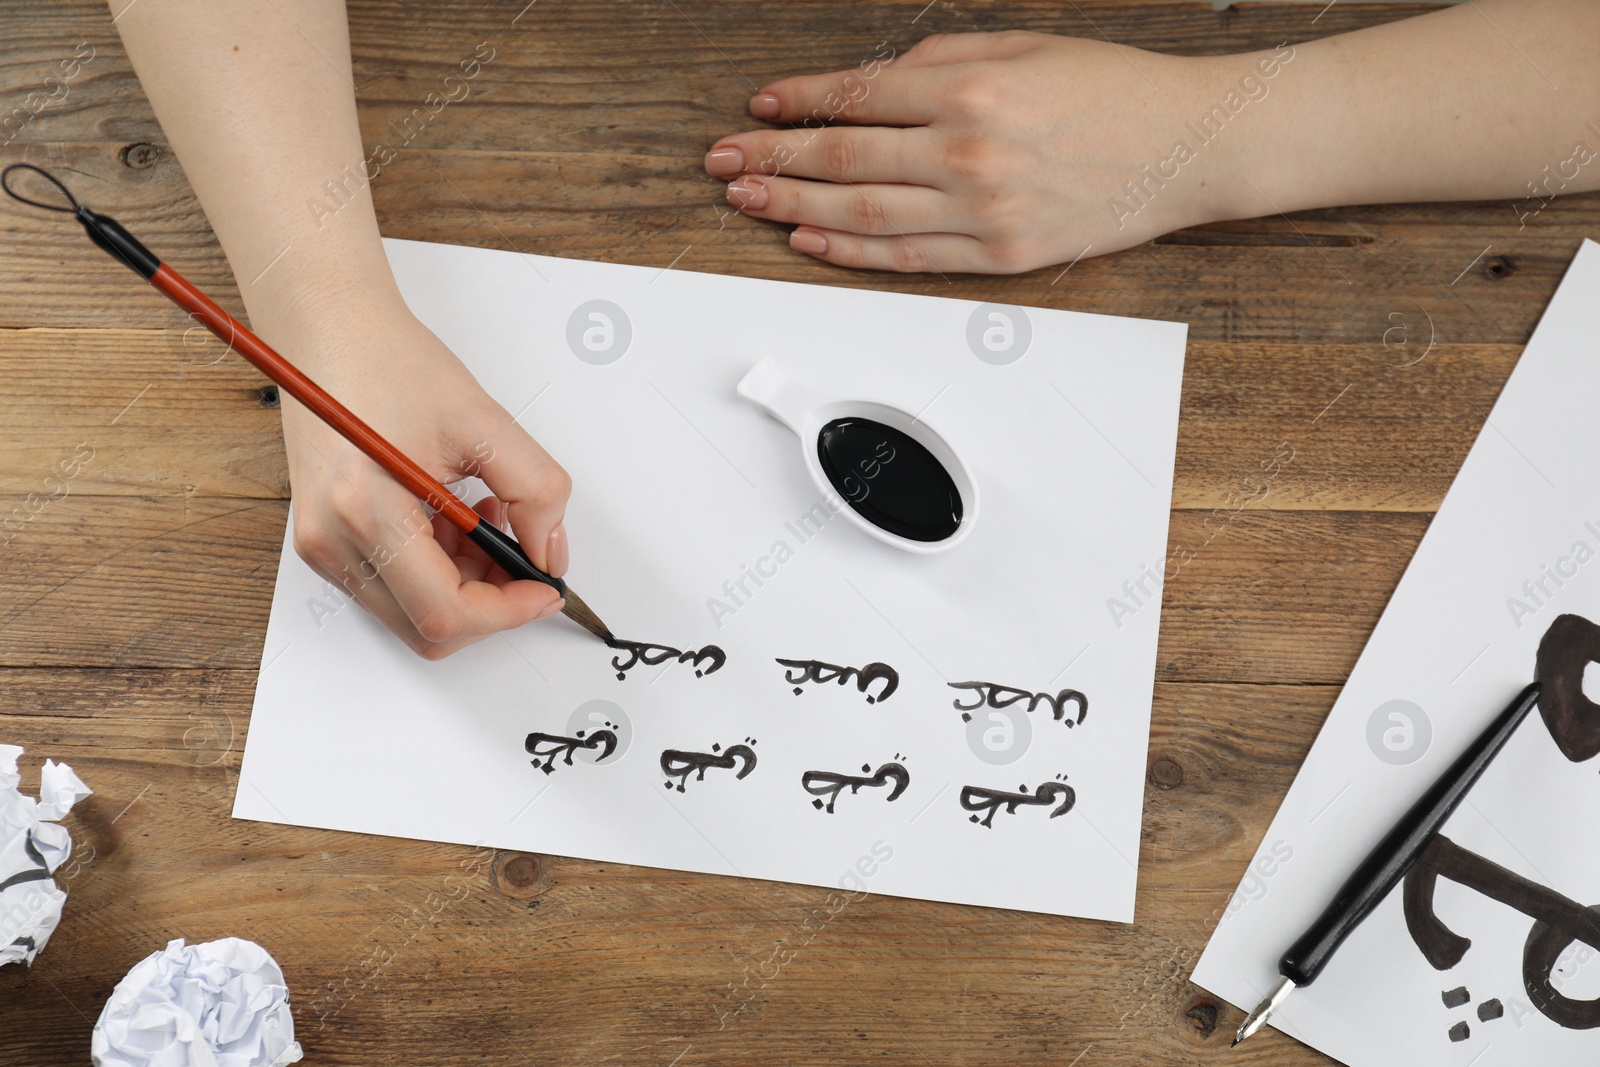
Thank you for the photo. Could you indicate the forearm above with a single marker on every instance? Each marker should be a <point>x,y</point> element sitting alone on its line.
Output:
<point>260,111</point>
<point>1469,103</point>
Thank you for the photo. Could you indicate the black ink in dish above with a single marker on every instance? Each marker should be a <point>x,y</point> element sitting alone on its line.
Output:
<point>890,479</point>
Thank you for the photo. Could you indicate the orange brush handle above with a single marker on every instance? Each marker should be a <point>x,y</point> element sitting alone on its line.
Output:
<point>313,396</point>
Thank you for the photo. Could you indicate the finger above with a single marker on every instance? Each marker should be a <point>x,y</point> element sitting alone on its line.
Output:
<point>917,252</point>
<point>375,598</point>
<point>835,154</point>
<point>886,96</point>
<point>483,568</point>
<point>446,609</point>
<point>533,489</point>
<point>867,208</point>
<point>941,49</point>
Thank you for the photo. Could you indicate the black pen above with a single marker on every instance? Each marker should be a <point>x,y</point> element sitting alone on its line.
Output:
<point>1386,864</point>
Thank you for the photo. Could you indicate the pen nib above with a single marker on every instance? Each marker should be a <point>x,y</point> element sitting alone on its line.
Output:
<point>1258,1018</point>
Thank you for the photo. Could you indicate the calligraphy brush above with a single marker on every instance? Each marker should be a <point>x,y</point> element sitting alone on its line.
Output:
<point>500,547</point>
<point>1387,863</point>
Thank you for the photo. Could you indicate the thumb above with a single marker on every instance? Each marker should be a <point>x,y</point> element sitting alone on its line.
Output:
<point>532,489</point>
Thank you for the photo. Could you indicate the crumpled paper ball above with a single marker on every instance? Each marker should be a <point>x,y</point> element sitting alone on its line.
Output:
<point>32,846</point>
<point>220,1004</point>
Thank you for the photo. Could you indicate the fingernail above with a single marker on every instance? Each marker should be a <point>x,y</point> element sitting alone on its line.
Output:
<point>764,106</point>
<point>748,194</point>
<point>810,242</point>
<point>555,550</point>
<point>724,161</point>
<point>551,610</point>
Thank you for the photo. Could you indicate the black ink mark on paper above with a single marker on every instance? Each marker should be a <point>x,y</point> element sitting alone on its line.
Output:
<point>676,763</point>
<point>551,746</point>
<point>1557,923</point>
<point>1571,643</point>
<point>831,783</point>
<point>1490,1010</point>
<point>976,798</point>
<point>801,671</point>
<point>1454,998</point>
<point>39,873</point>
<point>1003,696</point>
<point>1460,1032</point>
<point>650,655</point>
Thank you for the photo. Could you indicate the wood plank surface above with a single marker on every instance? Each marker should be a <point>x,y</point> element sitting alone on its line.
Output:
<point>1366,343</point>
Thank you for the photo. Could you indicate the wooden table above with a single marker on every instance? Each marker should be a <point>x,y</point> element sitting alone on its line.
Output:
<point>1368,341</point>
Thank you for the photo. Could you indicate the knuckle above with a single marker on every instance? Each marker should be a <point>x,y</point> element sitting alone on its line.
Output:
<point>841,155</point>
<point>906,257</point>
<point>431,651</point>
<point>554,484</point>
<point>441,625</point>
<point>865,215</point>
<point>972,95</point>
<point>348,501</point>
<point>1010,258</point>
<point>972,157</point>
<point>771,156</point>
<point>1008,217</point>
<point>845,251</point>
<point>314,539</point>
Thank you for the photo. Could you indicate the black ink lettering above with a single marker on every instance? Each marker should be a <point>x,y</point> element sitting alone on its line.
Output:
<point>40,872</point>
<point>801,671</point>
<point>1557,923</point>
<point>648,654</point>
<point>550,746</point>
<point>677,763</point>
<point>1569,646</point>
<point>1002,696</point>
<point>976,798</point>
<point>830,784</point>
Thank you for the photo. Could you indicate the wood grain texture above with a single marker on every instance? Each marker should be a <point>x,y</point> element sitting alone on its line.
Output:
<point>1341,363</point>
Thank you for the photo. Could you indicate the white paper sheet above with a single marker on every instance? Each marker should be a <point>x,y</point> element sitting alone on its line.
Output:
<point>681,487</point>
<point>1456,643</point>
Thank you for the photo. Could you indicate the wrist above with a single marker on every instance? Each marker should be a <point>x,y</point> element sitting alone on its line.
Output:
<point>1239,106</point>
<point>314,313</point>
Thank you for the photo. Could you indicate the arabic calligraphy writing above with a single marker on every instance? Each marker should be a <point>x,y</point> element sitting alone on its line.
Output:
<point>830,784</point>
<point>976,798</point>
<point>1558,922</point>
<point>995,695</point>
<point>801,671</point>
<point>648,654</point>
<point>1565,651</point>
<point>553,746</point>
<point>675,762</point>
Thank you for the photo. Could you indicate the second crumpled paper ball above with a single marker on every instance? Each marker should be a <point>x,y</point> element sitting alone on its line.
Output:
<point>220,1004</point>
<point>32,846</point>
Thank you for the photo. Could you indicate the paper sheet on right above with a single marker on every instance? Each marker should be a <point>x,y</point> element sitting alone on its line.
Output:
<point>1480,958</point>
